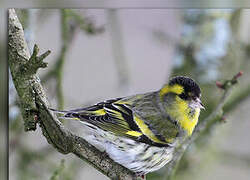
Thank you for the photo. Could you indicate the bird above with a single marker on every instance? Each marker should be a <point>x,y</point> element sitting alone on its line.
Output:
<point>141,131</point>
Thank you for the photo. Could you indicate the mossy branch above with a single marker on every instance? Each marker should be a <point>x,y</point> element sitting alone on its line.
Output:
<point>34,106</point>
<point>23,69</point>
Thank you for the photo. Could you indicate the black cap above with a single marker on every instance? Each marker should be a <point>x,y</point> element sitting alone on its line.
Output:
<point>189,84</point>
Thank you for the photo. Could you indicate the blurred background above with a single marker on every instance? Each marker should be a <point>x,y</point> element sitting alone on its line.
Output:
<point>101,54</point>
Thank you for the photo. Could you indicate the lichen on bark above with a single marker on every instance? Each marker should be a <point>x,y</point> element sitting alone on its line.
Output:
<point>34,105</point>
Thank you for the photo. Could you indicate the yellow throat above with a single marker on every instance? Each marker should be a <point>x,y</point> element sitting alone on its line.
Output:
<point>183,116</point>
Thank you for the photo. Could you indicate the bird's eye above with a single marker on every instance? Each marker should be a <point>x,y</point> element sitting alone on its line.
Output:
<point>192,95</point>
<point>183,96</point>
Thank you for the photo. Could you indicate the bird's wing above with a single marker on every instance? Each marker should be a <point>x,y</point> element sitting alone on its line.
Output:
<point>116,116</point>
<point>108,116</point>
<point>153,120</point>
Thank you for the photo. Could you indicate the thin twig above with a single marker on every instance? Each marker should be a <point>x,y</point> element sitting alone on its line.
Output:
<point>70,21</point>
<point>206,124</point>
<point>67,34</point>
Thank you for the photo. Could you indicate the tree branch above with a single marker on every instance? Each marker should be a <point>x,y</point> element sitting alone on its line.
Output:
<point>34,106</point>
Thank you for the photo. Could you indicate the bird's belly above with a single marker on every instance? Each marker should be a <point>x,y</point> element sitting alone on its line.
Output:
<point>138,157</point>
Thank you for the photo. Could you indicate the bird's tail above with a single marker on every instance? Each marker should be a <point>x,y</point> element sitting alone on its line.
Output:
<point>65,114</point>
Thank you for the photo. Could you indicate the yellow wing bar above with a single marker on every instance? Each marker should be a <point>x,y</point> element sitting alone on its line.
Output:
<point>146,131</point>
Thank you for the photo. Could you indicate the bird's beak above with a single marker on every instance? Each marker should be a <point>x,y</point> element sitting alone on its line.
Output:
<point>201,106</point>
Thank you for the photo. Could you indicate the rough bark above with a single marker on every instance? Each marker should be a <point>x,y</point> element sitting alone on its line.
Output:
<point>34,105</point>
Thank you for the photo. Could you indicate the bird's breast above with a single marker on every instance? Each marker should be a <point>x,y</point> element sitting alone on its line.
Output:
<point>186,117</point>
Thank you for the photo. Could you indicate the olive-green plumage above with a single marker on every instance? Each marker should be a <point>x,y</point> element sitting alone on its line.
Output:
<point>141,131</point>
